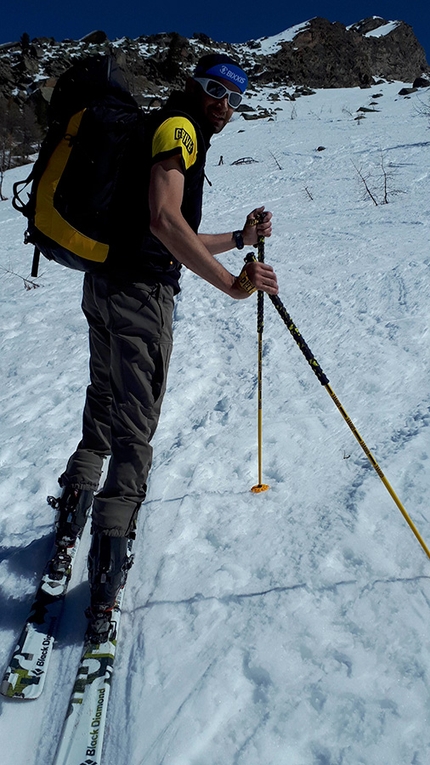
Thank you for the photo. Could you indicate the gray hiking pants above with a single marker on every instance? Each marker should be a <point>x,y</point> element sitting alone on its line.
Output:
<point>130,333</point>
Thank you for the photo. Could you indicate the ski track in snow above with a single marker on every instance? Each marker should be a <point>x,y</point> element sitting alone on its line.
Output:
<point>290,627</point>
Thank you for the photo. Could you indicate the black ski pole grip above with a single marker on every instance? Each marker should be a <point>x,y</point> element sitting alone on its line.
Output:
<point>286,318</point>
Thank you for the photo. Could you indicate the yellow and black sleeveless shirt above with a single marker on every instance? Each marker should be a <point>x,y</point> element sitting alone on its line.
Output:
<point>172,130</point>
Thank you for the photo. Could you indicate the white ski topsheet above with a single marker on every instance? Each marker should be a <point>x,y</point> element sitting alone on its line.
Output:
<point>291,626</point>
<point>84,726</point>
<point>29,663</point>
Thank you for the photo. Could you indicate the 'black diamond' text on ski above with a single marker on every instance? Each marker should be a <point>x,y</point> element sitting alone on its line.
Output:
<point>81,739</point>
<point>26,673</point>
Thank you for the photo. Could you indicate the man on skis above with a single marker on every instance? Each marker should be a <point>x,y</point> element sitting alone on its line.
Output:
<point>129,312</point>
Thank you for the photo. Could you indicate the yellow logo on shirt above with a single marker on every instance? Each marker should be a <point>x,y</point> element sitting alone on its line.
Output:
<point>182,135</point>
<point>176,135</point>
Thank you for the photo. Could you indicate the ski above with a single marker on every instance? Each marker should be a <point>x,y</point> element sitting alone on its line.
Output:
<point>26,673</point>
<point>81,739</point>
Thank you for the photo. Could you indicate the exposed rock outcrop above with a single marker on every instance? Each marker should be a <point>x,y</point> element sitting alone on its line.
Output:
<point>330,55</point>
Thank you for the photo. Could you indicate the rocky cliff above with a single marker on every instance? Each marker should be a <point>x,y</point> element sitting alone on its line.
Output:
<point>329,55</point>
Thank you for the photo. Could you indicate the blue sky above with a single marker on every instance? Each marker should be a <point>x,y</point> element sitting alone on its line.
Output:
<point>233,22</point>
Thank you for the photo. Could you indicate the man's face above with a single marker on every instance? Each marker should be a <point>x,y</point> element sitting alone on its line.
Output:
<point>216,111</point>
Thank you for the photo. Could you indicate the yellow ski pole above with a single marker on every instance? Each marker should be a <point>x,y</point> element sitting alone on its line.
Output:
<point>325,382</point>
<point>260,486</point>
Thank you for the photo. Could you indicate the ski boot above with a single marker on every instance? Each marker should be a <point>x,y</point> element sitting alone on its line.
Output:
<point>72,511</point>
<point>109,561</point>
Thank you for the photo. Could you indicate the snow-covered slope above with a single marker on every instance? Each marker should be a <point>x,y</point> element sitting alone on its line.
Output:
<point>290,627</point>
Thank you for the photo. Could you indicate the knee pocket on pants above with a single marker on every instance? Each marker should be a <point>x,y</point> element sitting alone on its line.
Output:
<point>159,379</point>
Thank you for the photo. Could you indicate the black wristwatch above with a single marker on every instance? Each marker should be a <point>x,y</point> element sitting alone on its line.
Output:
<point>238,238</point>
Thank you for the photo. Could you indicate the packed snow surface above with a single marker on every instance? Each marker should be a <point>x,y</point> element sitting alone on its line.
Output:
<point>290,627</point>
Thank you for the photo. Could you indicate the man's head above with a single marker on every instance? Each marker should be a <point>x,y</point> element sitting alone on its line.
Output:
<point>218,83</point>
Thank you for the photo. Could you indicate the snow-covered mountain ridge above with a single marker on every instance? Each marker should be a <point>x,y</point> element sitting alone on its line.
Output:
<point>316,53</point>
<point>291,627</point>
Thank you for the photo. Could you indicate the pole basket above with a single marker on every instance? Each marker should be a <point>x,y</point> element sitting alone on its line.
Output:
<point>259,488</point>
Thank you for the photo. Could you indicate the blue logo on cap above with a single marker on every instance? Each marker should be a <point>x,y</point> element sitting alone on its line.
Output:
<point>230,72</point>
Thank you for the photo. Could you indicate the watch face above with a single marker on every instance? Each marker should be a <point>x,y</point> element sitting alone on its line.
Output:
<point>238,238</point>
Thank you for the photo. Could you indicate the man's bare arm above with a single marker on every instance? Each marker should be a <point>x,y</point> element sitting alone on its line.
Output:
<point>168,224</point>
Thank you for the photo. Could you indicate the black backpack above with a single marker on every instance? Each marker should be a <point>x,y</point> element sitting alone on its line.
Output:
<point>92,119</point>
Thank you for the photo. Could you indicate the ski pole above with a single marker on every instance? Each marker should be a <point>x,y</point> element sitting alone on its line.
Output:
<point>325,383</point>
<point>260,486</point>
